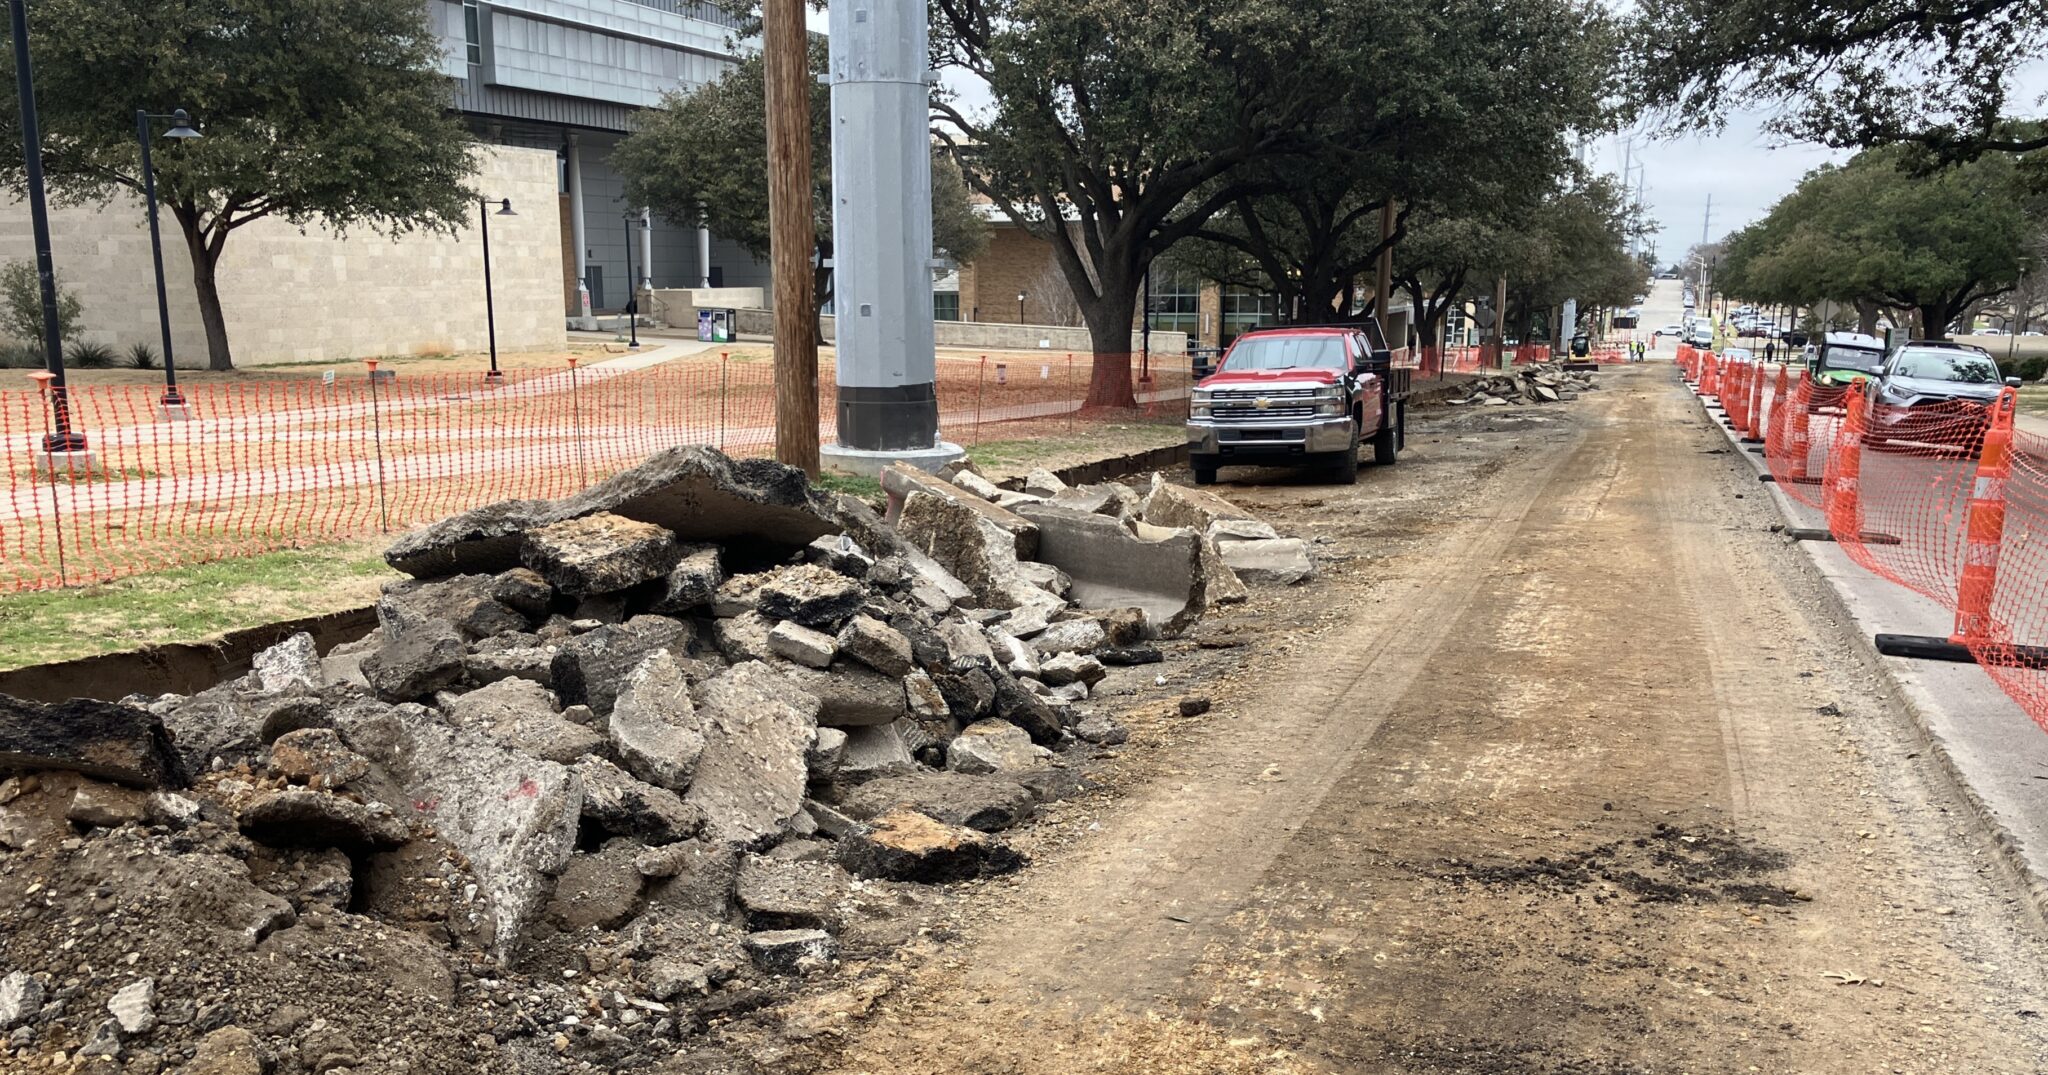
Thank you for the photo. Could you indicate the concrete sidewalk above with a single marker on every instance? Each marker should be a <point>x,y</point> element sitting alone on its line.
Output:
<point>1996,754</point>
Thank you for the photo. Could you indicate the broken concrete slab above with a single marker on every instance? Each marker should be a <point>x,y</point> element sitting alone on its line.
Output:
<point>468,603</point>
<point>1277,561</point>
<point>420,655</point>
<point>1013,653</point>
<point>589,668</point>
<point>106,806</point>
<point>600,890</point>
<point>1178,506</point>
<point>695,493</point>
<point>791,951</point>
<point>976,484</point>
<point>694,581</point>
<point>900,481</point>
<point>1113,568</point>
<point>1224,531</point>
<point>849,695</point>
<point>811,595</point>
<point>966,545</point>
<point>795,642</point>
<point>987,803</point>
<point>600,553</point>
<point>318,758</point>
<point>779,894</point>
<point>1041,482</point>
<point>905,845</point>
<point>293,664</point>
<point>993,746</point>
<point>302,817</point>
<point>745,637</point>
<point>1102,730</point>
<point>618,804</point>
<point>1080,635</point>
<point>875,750</point>
<point>1015,703</point>
<point>758,730</point>
<point>521,714</point>
<point>104,740</point>
<point>1071,668</point>
<point>841,553</point>
<point>877,645</point>
<point>654,726</point>
<point>512,816</point>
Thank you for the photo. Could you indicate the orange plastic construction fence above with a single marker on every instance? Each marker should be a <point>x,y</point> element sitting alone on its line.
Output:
<point>254,466</point>
<point>1946,498</point>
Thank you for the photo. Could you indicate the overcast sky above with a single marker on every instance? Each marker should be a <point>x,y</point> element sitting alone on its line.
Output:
<point>1744,171</point>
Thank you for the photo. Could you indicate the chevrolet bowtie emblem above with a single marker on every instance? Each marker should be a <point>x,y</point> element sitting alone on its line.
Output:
<point>1262,403</point>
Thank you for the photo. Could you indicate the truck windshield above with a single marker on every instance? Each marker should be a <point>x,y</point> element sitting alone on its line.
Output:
<point>1286,353</point>
<point>1851,358</point>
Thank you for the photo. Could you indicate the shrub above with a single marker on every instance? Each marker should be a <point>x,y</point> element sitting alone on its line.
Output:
<point>2029,369</point>
<point>142,356</point>
<point>20,356</point>
<point>21,304</point>
<point>89,356</point>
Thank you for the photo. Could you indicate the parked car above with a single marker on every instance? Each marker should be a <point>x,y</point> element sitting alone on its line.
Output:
<point>1918,378</point>
<point>1300,396</point>
<point>1841,359</point>
<point>1701,334</point>
<point>1674,331</point>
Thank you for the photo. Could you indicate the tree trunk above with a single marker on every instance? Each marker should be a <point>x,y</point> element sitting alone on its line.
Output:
<point>207,289</point>
<point>1866,317</point>
<point>1933,321</point>
<point>1109,318</point>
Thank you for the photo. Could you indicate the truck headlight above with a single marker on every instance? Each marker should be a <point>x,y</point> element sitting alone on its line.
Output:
<point>1329,402</point>
<point>1198,408</point>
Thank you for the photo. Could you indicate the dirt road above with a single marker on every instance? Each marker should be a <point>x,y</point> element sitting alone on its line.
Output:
<point>1562,768</point>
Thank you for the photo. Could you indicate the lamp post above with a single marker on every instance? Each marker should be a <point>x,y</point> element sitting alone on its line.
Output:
<point>61,438</point>
<point>173,402</point>
<point>632,281</point>
<point>1020,307</point>
<point>493,377</point>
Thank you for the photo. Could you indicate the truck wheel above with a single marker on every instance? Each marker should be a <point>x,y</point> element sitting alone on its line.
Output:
<point>1401,425</point>
<point>1203,475</point>
<point>1385,445</point>
<point>1344,468</point>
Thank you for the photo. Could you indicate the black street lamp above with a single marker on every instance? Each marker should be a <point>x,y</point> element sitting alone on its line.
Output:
<point>493,377</point>
<point>1020,307</point>
<point>181,128</point>
<point>632,281</point>
<point>61,438</point>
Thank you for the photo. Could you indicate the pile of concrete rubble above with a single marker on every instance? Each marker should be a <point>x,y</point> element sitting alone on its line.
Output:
<point>612,770</point>
<point>1545,382</point>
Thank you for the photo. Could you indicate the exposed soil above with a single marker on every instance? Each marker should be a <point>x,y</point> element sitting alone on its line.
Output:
<point>1560,768</point>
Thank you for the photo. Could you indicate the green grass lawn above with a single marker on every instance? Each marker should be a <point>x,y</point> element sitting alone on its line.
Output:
<point>188,604</point>
<point>2034,401</point>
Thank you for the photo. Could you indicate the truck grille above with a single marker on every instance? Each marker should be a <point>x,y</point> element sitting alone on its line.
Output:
<point>1241,404</point>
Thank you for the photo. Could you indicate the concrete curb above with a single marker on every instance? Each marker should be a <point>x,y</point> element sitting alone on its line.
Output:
<point>1916,700</point>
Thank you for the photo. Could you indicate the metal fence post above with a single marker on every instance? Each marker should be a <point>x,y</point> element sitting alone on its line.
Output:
<point>724,361</point>
<point>377,437</point>
<point>576,422</point>
<point>980,380</point>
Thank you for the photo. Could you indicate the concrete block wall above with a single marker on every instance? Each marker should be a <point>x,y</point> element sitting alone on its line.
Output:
<point>314,296</point>
<point>983,336</point>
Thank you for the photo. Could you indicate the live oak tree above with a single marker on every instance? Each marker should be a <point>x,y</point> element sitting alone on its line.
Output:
<point>1117,126</point>
<point>314,112</point>
<point>1428,94</point>
<point>702,158</point>
<point>1936,73</point>
<point>1873,233</point>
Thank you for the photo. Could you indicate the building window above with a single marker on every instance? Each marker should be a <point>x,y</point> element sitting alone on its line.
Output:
<point>945,306</point>
<point>1245,309</point>
<point>1176,299</point>
<point>472,32</point>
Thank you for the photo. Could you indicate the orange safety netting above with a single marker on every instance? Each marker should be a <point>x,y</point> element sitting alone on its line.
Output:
<point>1946,498</point>
<point>262,465</point>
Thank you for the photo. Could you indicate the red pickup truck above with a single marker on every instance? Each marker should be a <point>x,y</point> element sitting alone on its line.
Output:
<point>1306,395</point>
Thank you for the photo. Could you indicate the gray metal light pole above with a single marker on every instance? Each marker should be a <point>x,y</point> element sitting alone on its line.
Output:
<point>181,128</point>
<point>494,376</point>
<point>882,238</point>
<point>61,438</point>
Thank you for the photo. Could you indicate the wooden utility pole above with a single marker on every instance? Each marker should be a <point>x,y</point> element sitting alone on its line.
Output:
<point>792,240</point>
<point>1383,288</point>
<point>1500,321</point>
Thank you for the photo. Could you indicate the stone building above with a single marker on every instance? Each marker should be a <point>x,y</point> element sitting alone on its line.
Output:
<point>549,87</point>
